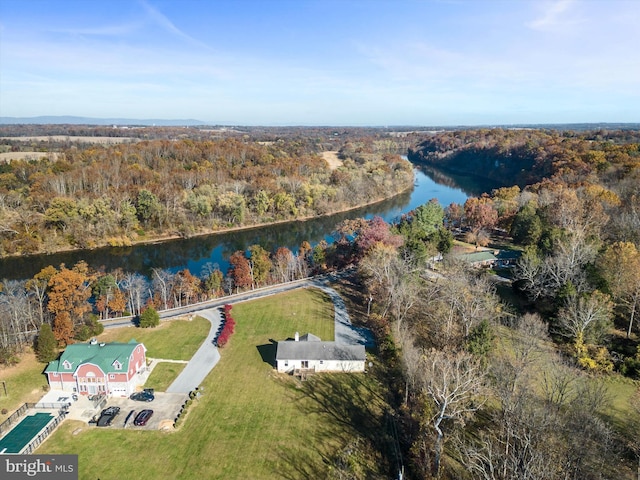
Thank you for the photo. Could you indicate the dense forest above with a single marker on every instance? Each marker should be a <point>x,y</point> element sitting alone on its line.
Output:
<point>527,371</point>
<point>92,194</point>
<point>498,382</point>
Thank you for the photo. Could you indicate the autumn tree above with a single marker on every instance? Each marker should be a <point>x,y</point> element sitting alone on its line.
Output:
<point>69,293</point>
<point>481,215</point>
<point>147,206</point>
<point>373,232</point>
<point>240,270</point>
<point>259,264</point>
<point>213,282</point>
<point>103,291</point>
<point>619,265</point>
<point>186,287</point>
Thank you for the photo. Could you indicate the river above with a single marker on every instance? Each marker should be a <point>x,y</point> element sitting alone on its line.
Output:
<point>194,253</point>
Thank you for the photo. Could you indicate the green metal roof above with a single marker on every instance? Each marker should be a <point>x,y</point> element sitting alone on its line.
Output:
<point>104,355</point>
<point>482,256</point>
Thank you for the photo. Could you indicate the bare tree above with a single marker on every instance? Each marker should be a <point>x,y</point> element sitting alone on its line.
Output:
<point>135,285</point>
<point>585,318</point>
<point>453,382</point>
<point>162,284</point>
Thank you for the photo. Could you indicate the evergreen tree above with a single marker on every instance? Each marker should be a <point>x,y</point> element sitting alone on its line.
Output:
<point>149,318</point>
<point>46,344</point>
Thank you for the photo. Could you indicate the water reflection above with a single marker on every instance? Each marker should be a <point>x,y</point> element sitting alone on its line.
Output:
<point>195,253</point>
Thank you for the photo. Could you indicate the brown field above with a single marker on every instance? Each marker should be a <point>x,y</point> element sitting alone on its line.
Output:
<point>65,138</point>
<point>332,159</point>
<point>9,156</point>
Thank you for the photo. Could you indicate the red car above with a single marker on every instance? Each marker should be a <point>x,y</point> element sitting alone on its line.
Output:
<point>142,418</point>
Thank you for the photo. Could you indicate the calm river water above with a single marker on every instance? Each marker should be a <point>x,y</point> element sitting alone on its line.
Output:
<point>195,253</point>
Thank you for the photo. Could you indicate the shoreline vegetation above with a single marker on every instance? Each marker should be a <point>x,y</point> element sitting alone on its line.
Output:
<point>160,239</point>
<point>95,195</point>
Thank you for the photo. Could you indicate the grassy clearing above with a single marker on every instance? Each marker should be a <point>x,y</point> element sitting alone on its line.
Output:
<point>163,375</point>
<point>250,422</point>
<point>24,383</point>
<point>176,340</point>
<point>179,339</point>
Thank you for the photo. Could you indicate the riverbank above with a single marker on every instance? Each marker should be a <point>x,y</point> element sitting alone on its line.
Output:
<point>159,239</point>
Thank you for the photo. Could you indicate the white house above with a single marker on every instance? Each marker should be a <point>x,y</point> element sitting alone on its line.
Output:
<point>310,354</point>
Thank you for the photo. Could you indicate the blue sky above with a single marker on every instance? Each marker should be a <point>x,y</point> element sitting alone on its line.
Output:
<point>329,62</point>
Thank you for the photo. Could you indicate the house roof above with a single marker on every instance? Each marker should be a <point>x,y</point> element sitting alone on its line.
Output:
<point>318,350</point>
<point>309,337</point>
<point>477,257</point>
<point>104,355</point>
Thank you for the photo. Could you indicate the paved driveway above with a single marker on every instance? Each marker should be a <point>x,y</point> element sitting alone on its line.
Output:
<point>204,359</point>
<point>165,409</point>
<point>345,332</point>
<point>208,356</point>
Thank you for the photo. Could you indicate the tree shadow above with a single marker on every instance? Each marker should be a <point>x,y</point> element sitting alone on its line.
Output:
<point>356,426</point>
<point>268,352</point>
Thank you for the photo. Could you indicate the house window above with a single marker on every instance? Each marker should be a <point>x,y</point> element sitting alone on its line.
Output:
<point>321,362</point>
<point>305,364</point>
<point>112,376</point>
<point>286,363</point>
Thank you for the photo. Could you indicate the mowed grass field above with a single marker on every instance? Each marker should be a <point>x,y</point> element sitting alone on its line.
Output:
<point>173,339</point>
<point>250,422</point>
<point>24,383</point>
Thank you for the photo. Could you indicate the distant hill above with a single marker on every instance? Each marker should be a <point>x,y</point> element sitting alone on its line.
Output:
<point>68,119</point>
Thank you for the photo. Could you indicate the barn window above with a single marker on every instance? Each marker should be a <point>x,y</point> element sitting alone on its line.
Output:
<point>66,364</point>
<point>112,376</point>
<point>117,365</point>
<point>55,374</point>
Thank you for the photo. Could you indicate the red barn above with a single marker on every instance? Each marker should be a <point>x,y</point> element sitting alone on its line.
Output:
<point>93,368</point>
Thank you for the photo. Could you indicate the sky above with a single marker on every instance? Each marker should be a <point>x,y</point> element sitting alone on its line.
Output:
<point>323,62</point>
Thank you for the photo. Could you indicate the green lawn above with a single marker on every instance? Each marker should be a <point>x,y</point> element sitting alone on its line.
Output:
<point>163,375</point>
<point>179,341</point>
<point>24,383</point>
<point>250,422</point>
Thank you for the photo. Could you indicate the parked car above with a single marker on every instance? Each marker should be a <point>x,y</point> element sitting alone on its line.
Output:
<point>144,396</point>
<point>143,417</point>
<point>107,416</point>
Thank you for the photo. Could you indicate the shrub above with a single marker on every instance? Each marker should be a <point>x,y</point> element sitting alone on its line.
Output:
<point>149,318</point>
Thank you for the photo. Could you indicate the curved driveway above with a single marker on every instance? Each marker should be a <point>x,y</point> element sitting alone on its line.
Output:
<point>207,356</point>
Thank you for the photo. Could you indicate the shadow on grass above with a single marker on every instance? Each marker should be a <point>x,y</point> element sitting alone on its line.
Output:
<point>268,352</point>
<point>354,432</point>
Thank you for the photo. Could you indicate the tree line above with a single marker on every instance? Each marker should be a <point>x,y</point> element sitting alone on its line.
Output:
<point>97,195</point>
<point>497,383</point>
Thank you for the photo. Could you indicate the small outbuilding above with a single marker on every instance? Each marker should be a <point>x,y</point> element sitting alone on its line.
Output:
<point>308,354</point>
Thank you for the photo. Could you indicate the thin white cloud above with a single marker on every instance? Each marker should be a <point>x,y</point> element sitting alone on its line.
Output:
<point>553,15</point>
<point>165,23</point>
<point>116,30</point>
